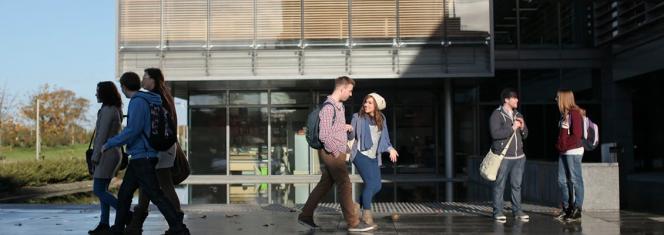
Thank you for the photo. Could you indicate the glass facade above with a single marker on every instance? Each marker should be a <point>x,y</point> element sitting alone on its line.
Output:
<point>252,70</point>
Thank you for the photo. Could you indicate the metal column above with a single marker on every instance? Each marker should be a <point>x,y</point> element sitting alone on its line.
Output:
<point>449,143</point>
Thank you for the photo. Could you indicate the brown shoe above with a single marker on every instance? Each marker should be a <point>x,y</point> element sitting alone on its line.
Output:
<point>367,217</point>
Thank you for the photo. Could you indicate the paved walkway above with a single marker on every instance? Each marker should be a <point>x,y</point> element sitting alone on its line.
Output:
<point>439,218</point>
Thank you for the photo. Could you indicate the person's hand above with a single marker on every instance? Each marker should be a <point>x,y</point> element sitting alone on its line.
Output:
<point>516,125</point>
<point>521,121</point>
<point>348,128</point>
<point>393,155</point>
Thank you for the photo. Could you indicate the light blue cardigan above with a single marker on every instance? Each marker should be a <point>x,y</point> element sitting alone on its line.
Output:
<point>361,131</point>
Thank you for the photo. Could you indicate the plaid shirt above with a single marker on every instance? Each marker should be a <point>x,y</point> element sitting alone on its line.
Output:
<point>334,137</point>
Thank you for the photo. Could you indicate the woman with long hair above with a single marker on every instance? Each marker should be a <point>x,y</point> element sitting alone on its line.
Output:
<point>569,145</point>
<point>153,81</point>
<point>371,141</point>
<point>109,119</point>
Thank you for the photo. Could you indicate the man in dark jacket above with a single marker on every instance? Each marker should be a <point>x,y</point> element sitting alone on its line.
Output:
<point>508,126</point>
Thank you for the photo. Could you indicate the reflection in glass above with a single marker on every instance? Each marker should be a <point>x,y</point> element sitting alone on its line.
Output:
<point>208,99</point>
<point>279,97</point>
<point>248,97</point>
<point>290,150</point>
<point>255,194</point>
<point>207,141</point>
<point>539,23</point>
<point>295,195</point>
<point>248,141</point>
<point>208,194</point>
<point>504,16</point>
<point>415,140</point>
<point>469,21</point>
<point>290,194</point>
<point>539,86</point>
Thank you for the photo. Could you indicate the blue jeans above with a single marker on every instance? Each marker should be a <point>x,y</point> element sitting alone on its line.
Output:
<point>514,169</point>
<point>570,180</point>
<point>106,199</point>
<point>370,173</point>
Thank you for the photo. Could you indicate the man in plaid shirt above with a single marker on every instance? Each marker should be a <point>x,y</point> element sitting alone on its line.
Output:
<point>333,134</point>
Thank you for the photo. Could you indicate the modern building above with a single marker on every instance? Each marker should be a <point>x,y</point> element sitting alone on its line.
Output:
<point>251,70</point>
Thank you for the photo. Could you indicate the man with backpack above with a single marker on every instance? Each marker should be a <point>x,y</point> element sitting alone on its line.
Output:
<point>332,134</point>
<point>141,172</point>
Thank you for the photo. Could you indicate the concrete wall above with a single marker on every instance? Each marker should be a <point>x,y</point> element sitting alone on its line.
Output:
<point>540,184</point>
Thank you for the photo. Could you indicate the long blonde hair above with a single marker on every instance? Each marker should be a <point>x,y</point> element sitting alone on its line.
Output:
<point>377,114</point>
<point>566,103</point>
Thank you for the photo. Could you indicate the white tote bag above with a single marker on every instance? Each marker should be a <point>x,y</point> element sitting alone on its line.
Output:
<point>491,162</point>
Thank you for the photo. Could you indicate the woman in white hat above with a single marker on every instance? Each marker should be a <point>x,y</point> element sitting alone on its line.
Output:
<point>371,140</point>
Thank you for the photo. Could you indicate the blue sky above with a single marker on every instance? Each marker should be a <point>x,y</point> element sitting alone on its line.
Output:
<point>68,43</point>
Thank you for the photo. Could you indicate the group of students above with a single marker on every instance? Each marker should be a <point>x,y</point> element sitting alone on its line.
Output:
<point>148,168</point>
<point>370,139</point>
<point>361,142</point>
<point>506,122</point>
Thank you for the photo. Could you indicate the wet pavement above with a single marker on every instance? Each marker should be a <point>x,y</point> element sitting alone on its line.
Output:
<point>440,218</point>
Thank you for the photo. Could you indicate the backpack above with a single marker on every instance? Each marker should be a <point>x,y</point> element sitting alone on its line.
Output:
<point>590,139</point>
<point>162,129</point>
<point>313,130</point>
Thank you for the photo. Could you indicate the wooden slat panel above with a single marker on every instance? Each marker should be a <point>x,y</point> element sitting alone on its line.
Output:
<point>420,18</point>
<point>185,21</point>
<point>374,18</point>
<point>231,20</point>
<point>278,19</point>
<point>325,19</point>
<point>140,21</point>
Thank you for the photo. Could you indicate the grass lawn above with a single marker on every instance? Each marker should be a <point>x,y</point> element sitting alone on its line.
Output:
<point>17,153</point>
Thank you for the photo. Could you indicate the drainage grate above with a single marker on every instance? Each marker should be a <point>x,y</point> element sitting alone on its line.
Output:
<point>457,208</point>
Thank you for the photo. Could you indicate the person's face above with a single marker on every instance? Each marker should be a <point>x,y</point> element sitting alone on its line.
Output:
<point>369,105</point>
<point>513,102</point>
<point>148,82</point>
<point>124,91</point>
<point>97,95</point>
<point>346,92</point>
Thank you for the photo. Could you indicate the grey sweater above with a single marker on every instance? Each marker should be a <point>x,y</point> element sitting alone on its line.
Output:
<point>107,126</point>
<point>500,125</point>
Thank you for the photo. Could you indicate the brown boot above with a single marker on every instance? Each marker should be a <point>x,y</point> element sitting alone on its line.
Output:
<point>135,227</point>
<point>367,217</point>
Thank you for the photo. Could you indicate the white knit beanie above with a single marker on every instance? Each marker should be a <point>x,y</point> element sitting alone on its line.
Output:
<point>380,101</point>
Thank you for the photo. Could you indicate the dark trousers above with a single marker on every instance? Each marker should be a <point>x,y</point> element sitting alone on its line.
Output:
<point>165,179</point>
<point>141,174</point>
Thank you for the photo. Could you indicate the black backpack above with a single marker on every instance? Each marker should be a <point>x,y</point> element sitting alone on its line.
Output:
<point>162,129</point>
<point>313,129</point>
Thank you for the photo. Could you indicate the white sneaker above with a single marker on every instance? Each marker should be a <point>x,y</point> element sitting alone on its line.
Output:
<point>500,218</point>
<point>522,216</point>
<point>362,227</point>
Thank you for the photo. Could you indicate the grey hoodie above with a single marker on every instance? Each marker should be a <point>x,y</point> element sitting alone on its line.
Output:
<point>500,126</point>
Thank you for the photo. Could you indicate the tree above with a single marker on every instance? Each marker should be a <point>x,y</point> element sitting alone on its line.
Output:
<point>6,105</point>
<point>61,113</point>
